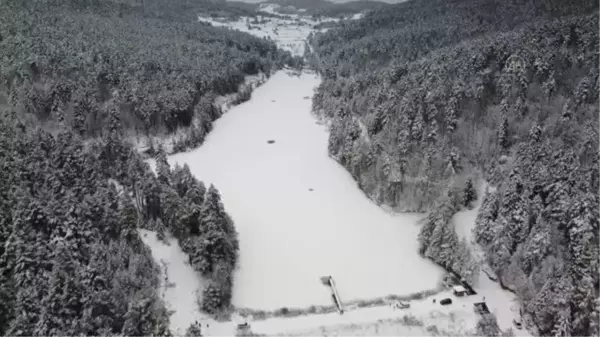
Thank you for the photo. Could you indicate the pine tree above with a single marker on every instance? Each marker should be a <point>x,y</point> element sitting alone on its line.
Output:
<point>538,246</point>
<point>487,326</point>
<point>503,139</point>
<point>212,212</point>
<point>417,127</point>
<point>427,229</point>
<point>508,333</point>
<point>464,262</point>
<point>163,170</point>
<point>535,134</point>
<point>451,116</point>
<point>113,139</point>
<point>562,328</point>
<point>499,251</point>
<point>181,179</point>
<point>432,135</point>
<point>486,229</point>
<point>469,194</point>
<point>194,330</point>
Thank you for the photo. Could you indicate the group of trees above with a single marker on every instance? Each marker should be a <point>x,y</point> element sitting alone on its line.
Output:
<point>540,231</point>
<point>425,93</point>
<point>76,79</point>
<point>325,8</point>
<point>487,326</point>
<point>71,259</point>
<point>439,241</point>
<point>72,62</point>
<point>197,218</point>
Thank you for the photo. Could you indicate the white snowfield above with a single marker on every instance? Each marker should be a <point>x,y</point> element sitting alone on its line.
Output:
<point>299,214</point>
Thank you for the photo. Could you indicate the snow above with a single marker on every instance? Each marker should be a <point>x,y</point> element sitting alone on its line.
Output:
<point>502,303</point>
<point>179,282</point>
<point>459,289</point>
<point>289,32</point>
<point>179,287</point>
<point>142,142</point>
<point>300,216</point>
<point>291,236</point>
<point>459,318</point>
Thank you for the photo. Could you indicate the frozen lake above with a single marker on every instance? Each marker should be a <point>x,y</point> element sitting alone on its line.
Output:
<point>289,235</point>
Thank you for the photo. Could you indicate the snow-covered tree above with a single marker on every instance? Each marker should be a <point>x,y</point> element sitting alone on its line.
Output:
<point>163,169</point>
<point>469,193</point>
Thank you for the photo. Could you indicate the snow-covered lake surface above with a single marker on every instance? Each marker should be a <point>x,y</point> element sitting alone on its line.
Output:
<point>180,284</point>
<point>299,214</point>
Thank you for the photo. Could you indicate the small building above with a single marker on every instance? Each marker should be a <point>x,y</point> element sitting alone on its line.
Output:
<point>459,291</point>
<point>481,308</point>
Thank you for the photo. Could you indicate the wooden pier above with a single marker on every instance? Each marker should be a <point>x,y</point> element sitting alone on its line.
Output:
<point>328,281</point>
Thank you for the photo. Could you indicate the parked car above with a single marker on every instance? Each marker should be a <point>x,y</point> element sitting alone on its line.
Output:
<point>446,301</point>
<point>243,326</point>
<point>518,323</point>
<point>400,305</point>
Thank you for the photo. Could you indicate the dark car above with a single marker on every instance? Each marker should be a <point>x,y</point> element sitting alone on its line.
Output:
<point>446,301</point>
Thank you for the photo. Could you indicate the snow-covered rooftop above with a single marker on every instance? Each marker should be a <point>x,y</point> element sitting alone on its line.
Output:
<point>459,289</point>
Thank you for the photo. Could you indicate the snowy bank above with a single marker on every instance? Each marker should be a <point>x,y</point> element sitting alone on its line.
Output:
<point>143,143</point>
<point>180,284</point>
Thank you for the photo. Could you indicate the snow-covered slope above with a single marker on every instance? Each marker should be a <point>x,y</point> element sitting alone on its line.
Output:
<point>180,286</point>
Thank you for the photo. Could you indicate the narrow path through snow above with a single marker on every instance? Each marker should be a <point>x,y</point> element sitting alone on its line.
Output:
<point>501,303</point>
<point>299,214</point>
<point>179,282</point>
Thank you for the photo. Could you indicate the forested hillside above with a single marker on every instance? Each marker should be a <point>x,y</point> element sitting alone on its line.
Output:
<point>71,259</point>
<point>71,62</point>
<point>326,8</point>
<point>76,80</point>
<point>426,95</point>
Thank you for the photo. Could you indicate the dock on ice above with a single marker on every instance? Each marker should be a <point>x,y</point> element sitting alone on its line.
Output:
<point>328,281</point>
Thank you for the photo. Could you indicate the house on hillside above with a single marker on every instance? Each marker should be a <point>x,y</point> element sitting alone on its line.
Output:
<point>459,291</point>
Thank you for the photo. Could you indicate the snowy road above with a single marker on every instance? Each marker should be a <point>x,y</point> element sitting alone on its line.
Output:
<point>502,303</point>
